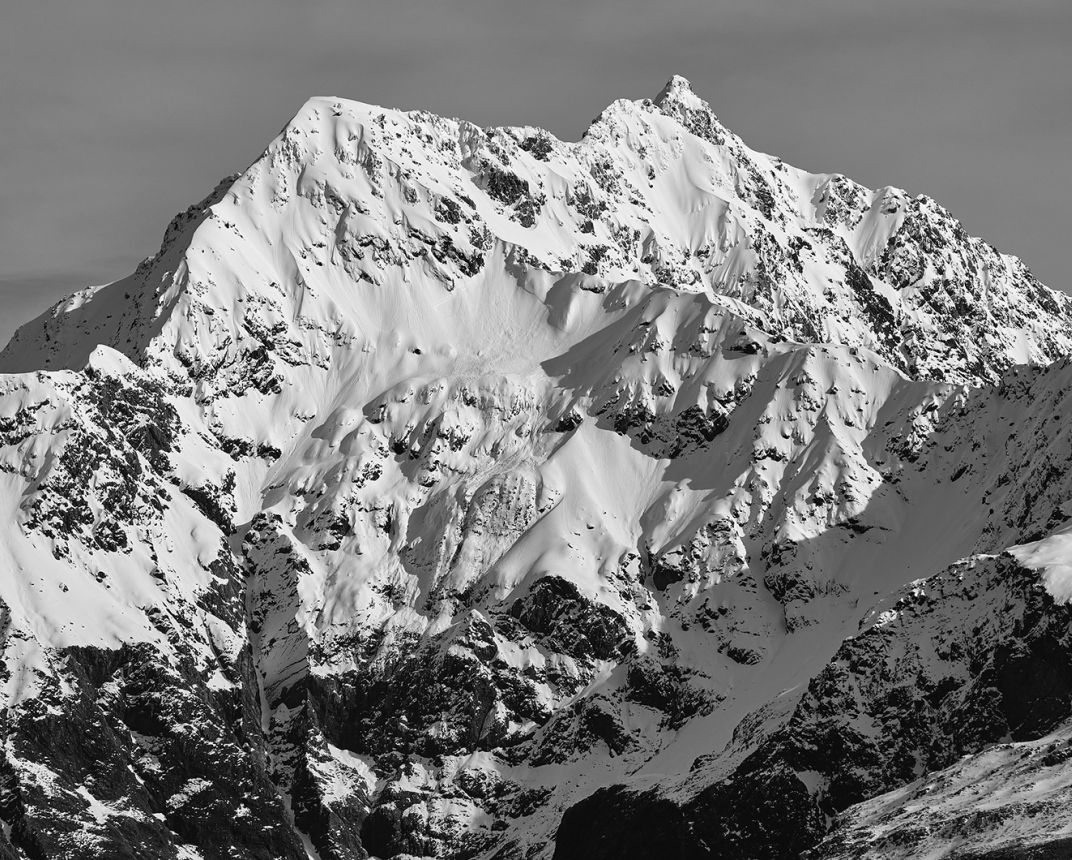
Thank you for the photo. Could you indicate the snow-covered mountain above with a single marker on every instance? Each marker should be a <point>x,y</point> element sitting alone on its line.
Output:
<point>459,492</point>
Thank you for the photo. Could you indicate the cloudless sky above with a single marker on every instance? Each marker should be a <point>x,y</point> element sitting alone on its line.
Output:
<point>116,114</point>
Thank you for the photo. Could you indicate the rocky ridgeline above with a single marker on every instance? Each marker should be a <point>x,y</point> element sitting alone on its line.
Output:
<point>458,492</point>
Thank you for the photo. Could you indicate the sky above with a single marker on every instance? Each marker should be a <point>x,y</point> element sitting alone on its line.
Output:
<point>116,114</point>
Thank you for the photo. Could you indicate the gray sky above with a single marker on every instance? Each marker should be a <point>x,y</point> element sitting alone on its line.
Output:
<point>118,113</point>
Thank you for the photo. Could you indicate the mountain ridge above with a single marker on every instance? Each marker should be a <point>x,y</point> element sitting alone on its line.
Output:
<point>446,484</point>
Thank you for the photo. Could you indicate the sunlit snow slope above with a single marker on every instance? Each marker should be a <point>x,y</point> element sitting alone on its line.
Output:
<point>458,492</point>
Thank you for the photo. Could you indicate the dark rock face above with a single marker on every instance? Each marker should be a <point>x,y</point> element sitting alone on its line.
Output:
<point>133,761</point>
<point>665,688</point>
<point>333,822</point>
<point>555,610</point>
<point>614,824</point>
<point>749,815</point>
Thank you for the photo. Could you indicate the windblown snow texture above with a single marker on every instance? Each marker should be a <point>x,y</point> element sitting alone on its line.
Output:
<point>458,492</point>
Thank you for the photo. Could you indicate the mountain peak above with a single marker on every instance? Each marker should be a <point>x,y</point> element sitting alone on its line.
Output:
<point>676,87</point>
<point>679,92</point>
<point>431,477</point>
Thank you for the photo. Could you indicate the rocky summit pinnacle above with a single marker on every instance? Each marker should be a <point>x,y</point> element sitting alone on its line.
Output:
<point>461,492</point>
<point>678,90</point>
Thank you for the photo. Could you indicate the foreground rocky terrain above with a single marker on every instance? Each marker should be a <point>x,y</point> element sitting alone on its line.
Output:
<point>442,491</point>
